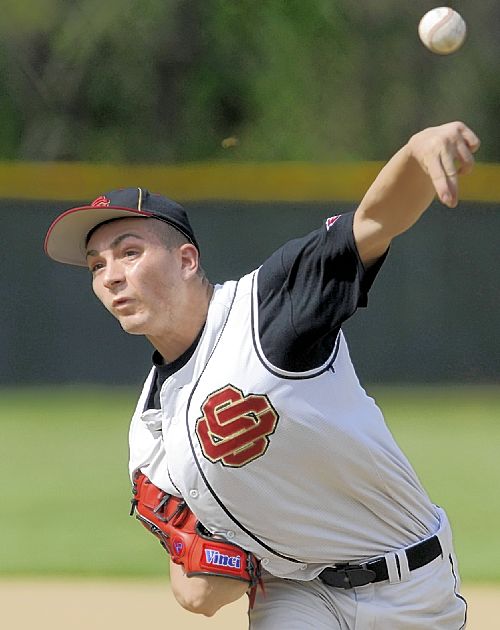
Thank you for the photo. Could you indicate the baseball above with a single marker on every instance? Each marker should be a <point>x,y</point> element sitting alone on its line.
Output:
<point>442,30</point>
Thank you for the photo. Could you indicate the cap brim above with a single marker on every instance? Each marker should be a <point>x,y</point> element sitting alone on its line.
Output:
<point>65,239</point>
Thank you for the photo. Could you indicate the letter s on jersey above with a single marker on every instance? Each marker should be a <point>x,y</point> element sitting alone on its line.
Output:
<point>235,429</point>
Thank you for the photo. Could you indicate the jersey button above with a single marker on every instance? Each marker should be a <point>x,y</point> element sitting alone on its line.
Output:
<point>230,534</point>
<point>303,567</point>
<point>194,493</point>
<point>264,562</point>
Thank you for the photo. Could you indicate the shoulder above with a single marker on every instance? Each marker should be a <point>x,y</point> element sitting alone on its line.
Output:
<point>306,290</point>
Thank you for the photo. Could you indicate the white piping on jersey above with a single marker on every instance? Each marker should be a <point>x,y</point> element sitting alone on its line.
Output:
<point>260,353</point>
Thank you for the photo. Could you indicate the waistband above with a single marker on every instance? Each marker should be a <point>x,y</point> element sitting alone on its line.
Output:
<point>394,566</point>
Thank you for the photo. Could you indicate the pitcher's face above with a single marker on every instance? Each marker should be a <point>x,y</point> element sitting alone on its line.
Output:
<point>135,276</point>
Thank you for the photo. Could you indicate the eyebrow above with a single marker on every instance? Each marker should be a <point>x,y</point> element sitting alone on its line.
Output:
<point>115,242</point>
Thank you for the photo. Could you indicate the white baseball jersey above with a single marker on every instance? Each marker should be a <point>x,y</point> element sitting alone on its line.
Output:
<point>294,465</point>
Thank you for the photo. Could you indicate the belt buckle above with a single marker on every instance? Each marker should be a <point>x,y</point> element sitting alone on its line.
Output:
<point>352,575</point>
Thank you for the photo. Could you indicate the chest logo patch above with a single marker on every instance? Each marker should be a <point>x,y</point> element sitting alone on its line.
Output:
<point>235,429</point>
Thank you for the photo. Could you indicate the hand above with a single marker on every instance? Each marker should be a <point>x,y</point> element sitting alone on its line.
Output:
<point>444,153</point>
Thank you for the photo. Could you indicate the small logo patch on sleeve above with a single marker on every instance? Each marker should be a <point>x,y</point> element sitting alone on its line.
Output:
<point>331,220</point>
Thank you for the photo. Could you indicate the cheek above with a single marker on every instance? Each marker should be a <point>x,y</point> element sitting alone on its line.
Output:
<point>96,289</point>
<point>153,281</point>
<point>157,291</point>
<point>99,291</point>
<point>153,284</point>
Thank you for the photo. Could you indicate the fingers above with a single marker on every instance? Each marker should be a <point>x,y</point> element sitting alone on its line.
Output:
<point>470,138</point>
<point>456,150</point>
<point>443,165</point>
<point>465,159</point>
<point>466,144</point>
<point>446,190</point>
<point>444,153</point>
<point>449,179</point>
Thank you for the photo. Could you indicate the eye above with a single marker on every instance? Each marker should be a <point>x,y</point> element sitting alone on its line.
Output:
<point>130,252</point>
<point>95,267</point>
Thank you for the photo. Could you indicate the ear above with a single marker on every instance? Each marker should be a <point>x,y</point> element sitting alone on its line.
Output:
<point>189,258</point>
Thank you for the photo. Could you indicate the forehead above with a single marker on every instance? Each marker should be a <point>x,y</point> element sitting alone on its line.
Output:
<point>108,231</point>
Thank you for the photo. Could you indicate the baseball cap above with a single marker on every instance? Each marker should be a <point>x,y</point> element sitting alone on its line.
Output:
<point>66,238</point>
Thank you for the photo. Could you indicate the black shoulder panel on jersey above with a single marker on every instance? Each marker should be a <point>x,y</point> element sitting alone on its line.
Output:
<point>281,372</point>
<point>306,290</point>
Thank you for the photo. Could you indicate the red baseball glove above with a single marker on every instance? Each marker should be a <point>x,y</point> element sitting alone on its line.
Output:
<point>185,539</point>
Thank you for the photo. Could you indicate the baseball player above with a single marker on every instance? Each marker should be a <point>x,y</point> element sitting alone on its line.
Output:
<point>256,457</point>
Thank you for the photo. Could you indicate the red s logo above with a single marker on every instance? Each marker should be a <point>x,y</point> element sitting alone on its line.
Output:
<point>235,429</point>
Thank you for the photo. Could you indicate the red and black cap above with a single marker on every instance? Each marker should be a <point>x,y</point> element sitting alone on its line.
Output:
<point>66,238</point>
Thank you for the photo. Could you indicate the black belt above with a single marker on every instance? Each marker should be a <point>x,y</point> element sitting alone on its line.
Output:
<point>351,575</point>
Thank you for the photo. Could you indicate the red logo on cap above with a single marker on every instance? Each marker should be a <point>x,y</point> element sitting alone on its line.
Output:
<point>100,202</point>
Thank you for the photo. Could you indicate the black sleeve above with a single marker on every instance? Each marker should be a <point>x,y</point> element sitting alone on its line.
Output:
<point>306,290</point>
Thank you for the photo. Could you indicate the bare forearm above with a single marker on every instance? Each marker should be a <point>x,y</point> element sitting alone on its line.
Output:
<point>399,195</point>
<point>428,164</point>
<point>204,595</point>
<point>397,198</point>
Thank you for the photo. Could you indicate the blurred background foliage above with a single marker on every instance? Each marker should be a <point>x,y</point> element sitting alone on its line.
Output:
<point>166,80</point>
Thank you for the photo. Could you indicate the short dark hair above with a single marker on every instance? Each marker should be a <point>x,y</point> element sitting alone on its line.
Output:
<point>168,234</point>
<point>171,238</point>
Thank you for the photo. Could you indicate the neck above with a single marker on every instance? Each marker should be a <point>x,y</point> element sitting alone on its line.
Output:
<point>174,342</point>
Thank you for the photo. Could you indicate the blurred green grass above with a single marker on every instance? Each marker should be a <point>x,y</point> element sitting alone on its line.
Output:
<point>65,489</point>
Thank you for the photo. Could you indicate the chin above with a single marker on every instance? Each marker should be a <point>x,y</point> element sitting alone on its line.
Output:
<point>133,327</point>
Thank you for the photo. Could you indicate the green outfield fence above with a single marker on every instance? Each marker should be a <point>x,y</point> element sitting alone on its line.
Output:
<point>433,313</point>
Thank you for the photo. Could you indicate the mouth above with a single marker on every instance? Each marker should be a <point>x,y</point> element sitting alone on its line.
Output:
<point>120,303</point>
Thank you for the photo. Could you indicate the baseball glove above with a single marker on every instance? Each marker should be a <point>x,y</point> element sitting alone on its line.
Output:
<point>185,539</point>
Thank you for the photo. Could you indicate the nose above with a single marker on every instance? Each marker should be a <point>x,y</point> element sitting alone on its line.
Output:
<point>113,274</point>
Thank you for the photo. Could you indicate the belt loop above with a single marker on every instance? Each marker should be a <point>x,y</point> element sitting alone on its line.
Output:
<point>392,568</point>
<point>404,569</point>
<point>444,533</point>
